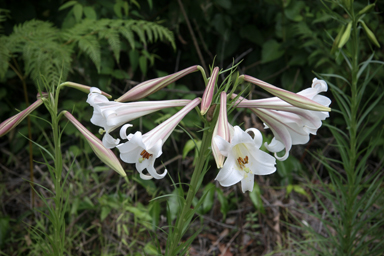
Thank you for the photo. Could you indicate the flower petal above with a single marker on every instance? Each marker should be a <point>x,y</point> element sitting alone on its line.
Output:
<point>247,183</point>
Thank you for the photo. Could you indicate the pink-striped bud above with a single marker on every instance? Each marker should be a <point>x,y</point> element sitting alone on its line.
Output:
<point>146,88</point>
<point>83,88</point>
<point>104,154</point>
<point>209,90</point>
<point>221,129</point>
<point>13,121</point>
<point>294,99</point>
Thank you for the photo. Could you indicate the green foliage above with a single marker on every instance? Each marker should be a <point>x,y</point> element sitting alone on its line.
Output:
<point>47,51</point>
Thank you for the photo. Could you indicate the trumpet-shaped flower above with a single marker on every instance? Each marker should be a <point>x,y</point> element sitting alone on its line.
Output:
<point>110,114</point>
<point>221,129</point>
<point>104,154</point>
<point>142,150</point>
<point>208,93</point>
<point>294,99</point>
<point>290,125</point>
<point>146,88</point>
<point>13,121</point>
<point>244,158</point>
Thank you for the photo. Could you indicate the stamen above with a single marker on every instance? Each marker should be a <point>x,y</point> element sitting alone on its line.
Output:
<point>242,162</point>
<point>145,155</point>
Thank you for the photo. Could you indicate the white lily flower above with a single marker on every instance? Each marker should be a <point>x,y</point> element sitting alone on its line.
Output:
<point>111,115</point>
<point>290,125</point>
<point>244,158</point>
<point>142,150</point>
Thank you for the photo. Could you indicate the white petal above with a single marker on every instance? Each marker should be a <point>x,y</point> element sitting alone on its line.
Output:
<point>156,149</point>
<point>228,167</point>
<point>145,177</point>
<point>222,145</point>
<point>153,172</point>
<point>129,152</point>
<point>274,146</point>
<point>234,177</point>
<point>257,137</point>
<point>123,131</point>
<point>323,100</point>
<point>240,136</point>
<point>247,182</point>
<point>95,90</point>
<point>109,141</point>
<point>262,163</point>
<point>320,85</point>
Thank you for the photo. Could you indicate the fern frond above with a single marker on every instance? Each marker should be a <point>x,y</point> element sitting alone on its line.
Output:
<point>112,36</point>
<point>90,45</point>
<point>40,46</point>
<point>127,33</point>
<point>139,32</point>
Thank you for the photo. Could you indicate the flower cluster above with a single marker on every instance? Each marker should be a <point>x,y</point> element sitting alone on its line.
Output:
<point>290,116</point>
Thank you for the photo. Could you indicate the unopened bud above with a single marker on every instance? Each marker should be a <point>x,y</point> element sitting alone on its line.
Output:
<point>366,9</point>
<point>345,37</point>
<point>370,34</point>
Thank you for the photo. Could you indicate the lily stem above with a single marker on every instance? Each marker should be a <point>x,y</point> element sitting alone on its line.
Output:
<point>183,219</point>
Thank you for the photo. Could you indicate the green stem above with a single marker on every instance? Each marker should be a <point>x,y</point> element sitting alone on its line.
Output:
<point>351,167</point>
<point>182,220</point>
<point>58,223</point>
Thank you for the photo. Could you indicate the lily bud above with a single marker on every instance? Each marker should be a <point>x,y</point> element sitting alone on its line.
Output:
<point>366,9</point>
<point>13,121</point>
<point>83,88</point>
<point>146,88</point>
<point>221,129</point>
<point>370,34</point>
<point>209,90</point>
<point>104,154</point>
<point>345,37</point>
<point>294,99</point>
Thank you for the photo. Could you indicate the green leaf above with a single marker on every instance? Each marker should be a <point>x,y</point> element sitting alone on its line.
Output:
<point>134,59</point>
<point>150,249</point>
<point>173,204</point>
<point>255,196</point>
<point>105,210</point>
<point>90,13</point>
<point>67,4</point>
<point>150,4</point>
<point>143,64</point>
<point>224,206</point>
<point>271,51</point>
<point>208,199</point>
<point>4,228</point>
<point>155,213</point>
<point>78,12</point>
<point>120,74</point>
<point>188,147</point>
<point>117,9</point>
<point>300,190</point>
<point>293,11</point>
